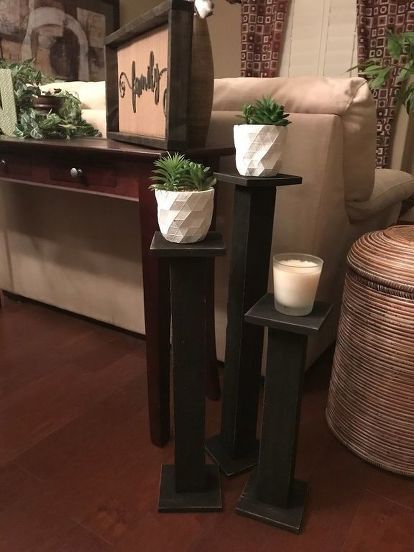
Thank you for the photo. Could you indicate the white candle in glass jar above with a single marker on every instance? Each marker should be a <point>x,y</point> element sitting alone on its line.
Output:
<point>296,279</point>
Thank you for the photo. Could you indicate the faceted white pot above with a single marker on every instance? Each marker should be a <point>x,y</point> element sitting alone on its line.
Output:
<point>185,217</point>
<point>259,149</point>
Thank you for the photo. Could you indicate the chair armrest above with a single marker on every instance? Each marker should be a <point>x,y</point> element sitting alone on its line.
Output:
<point>391,187</point>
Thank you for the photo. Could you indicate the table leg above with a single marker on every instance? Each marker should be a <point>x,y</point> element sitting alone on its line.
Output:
<point>213,390</point>
<point>189,485</point>
<point>157,319</point>
<point>235,449</point>
<point>272,495</point>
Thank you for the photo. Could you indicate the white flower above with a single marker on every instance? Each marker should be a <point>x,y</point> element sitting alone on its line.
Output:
<point>204,8</point>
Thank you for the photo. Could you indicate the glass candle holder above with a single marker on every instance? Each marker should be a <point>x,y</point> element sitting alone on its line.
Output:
<point>296,279</point>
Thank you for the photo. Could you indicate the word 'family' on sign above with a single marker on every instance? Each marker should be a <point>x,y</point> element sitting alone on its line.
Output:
<point>8,115</point>
<point>138,84</point>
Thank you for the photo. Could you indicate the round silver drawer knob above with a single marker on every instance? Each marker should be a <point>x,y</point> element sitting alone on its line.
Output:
<point>3,164</point>
<point>76,173</point>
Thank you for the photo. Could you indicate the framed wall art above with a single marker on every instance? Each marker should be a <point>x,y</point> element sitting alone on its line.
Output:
<point>148,66</point>
<point>64,37</point>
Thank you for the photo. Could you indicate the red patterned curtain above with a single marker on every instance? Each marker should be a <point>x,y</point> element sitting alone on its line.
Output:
<point>374,19</point>
<point>263,23</point>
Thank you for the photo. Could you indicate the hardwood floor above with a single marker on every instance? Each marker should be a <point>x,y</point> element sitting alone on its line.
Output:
<point>78,472</point>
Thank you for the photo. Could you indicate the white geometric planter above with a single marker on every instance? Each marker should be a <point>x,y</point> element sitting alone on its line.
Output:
<point>185,217</point>
<point>259,149</point>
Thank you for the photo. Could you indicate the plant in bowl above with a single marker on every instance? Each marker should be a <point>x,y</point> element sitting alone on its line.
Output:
<point>55,114</point>
<point>259,141</point>
<point>49,101</point>
<point>184,191</point>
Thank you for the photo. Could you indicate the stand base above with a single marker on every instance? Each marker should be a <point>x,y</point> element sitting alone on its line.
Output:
<point>289,518</point>
<point>204,501</point>
<point>228,465</point>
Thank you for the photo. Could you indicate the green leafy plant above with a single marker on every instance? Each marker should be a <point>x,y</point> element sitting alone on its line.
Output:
<point>176,173</point>
<point>265,111</point>
<point>33,123</point>
<point>26,82</point>
<point>401,50</point>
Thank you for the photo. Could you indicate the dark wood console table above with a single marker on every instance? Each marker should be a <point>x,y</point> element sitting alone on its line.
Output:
<point>105,167</point>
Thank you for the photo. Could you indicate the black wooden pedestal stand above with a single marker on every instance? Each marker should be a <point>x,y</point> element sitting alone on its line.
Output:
<point>189,484</point>
<point>272,494</point>
<point>235,449</point>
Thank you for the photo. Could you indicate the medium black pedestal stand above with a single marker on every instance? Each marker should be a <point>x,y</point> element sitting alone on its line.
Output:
<point>235,449</point>
<point>272,494</point>
<point>189,484</point>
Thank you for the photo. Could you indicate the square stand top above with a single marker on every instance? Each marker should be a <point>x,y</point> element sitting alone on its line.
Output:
<point>263,313</point>
<point>211,246</point>
<point>233,177</point>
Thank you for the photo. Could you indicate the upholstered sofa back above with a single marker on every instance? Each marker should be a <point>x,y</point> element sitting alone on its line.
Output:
<point>348,98</point>
<point>91,94</point>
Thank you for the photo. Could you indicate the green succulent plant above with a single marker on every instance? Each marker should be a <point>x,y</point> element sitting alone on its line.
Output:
<point>32,123</point>
<point>176,173</point>
<point>265,111</point>
<point>401,50</point>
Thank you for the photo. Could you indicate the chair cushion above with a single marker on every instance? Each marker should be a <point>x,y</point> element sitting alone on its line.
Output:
<point>390,187</point>
<point>91,94</point>
<point>96,118</point>
<point>350,98</point>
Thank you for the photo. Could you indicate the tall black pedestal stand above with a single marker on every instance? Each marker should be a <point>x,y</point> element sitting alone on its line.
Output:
<point>190,484</point>
<point>235,448</point>
<point>272,494</point>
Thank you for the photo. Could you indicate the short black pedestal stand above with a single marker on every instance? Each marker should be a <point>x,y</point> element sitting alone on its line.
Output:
<point>189,485</point>
<point>235,449</point>
<point>272,494</point>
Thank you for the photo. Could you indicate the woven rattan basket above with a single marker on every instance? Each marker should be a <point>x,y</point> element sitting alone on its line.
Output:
<point>371,396</point>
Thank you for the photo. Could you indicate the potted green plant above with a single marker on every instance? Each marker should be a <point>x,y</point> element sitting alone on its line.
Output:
<point>401,65</point>
<point>259,141</point>
<point>56,114</point>
<point>184,191</point>
<point>51,101</point>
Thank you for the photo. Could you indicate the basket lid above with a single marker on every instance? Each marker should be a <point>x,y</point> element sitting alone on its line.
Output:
<point>386,257</point>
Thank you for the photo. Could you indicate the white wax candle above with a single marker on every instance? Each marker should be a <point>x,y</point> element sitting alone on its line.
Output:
<point>295,283</point>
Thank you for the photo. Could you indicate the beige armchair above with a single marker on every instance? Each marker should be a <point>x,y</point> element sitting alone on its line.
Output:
<point>331,144</point>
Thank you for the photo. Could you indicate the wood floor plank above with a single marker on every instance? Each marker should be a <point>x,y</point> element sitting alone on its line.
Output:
<point>397,488</point>
<point>80,474</point>
<point>14,484</point>
<point>74,539</point>
<point>108,436</point>
<point>84,346</point>
<point>381,525</point>
<point>105,479</point>
<point>53,401</point>
<point>157,532</point>
<point>32,524</point>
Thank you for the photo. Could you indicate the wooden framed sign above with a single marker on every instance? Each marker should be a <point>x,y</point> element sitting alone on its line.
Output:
<point>148,68</point>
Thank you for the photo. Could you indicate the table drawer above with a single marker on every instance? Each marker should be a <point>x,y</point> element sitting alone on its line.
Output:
<point>98,177</point>
<point>14,167</point>
<point>89,174</point>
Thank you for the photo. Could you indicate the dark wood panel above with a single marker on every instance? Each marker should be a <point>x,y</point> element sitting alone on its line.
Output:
<point>178,16</point>
<point>89,146</point>
<point>13,166</point>
<point>151,19</point>
<point>100,176</point>
<point>93,174</point>
<point>157,319</point>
